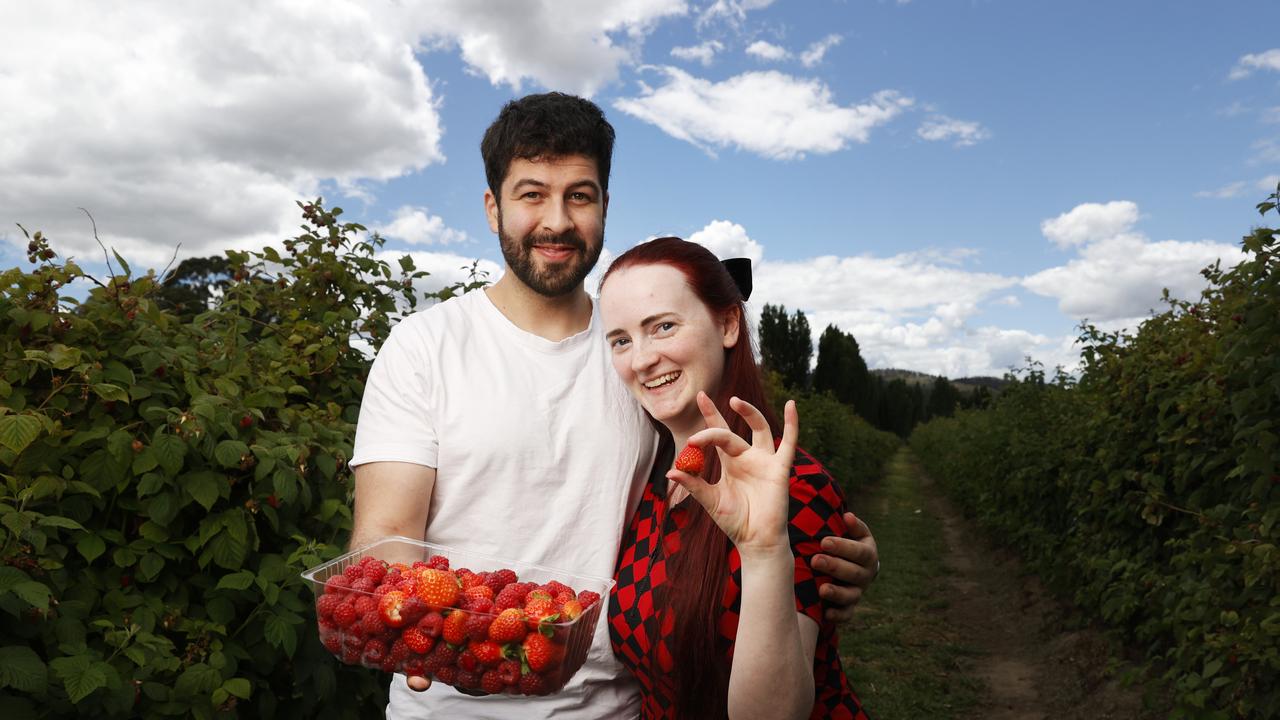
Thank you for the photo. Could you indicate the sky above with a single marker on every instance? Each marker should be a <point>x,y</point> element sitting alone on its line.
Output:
<point>958,184</point>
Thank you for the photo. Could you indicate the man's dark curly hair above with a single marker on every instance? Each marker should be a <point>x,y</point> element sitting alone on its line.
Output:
<point>550,125</point>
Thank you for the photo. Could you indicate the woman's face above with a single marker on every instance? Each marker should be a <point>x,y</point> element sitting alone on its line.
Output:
<point>666,344</point>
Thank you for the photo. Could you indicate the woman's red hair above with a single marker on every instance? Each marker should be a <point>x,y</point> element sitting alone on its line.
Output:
<point>696,573</point>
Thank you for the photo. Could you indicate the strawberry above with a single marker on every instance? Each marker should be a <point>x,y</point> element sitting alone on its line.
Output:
<point>489,653</point>
<point>455,627</point>
<point>588,598</point>
<point>417,641</point>
<point>467,661</point>
<point>391,609</point>
<point>540,607</point>
<point>470,580</point>
<point>437,588</point>
<point>690,460</point>
<point>477,591</point>
<point>539,652</point>
<point>491,682</point>
<point>571,609</point>
<point>508,626</point>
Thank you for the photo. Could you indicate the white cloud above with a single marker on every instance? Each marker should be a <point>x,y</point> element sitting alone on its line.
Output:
<point>767,51</point>
<point>199,124</point>
<point>572,46</point>
<point>1269,183</point>
<point>1266,150</point>
<point>728,240</point>
<point>703,52</point>
<point>1119,274</point>
<point>943,128</point>
<point>1269,60</point>
<point>815,52</point>
<point>1229,190</point>
<point>417,226</point>
<point>768,113</point>
<point>1271,114</point>
<point>1090,222</point>
<point>731,11</point>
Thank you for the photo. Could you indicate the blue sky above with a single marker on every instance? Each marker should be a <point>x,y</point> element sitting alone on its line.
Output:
<point>958,184</point>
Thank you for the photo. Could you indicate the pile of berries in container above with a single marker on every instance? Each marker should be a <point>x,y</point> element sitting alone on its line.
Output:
<point>460,618</point>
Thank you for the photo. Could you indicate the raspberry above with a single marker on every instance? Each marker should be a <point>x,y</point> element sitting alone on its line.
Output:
<point>375,651</point>
<point>555,587</point>
<point>350,655</point>
<point>510,672</point>
<point>353,572</point>
<point>326,604</point>
<point>499,579</point>
<point>383,589</point>
<point>447,675</point>
<point>439,562</point>
<point>491,682</point>
<point>371,624</point>
<point>417,641</point>
<point>478,626</point>
<point>432,624</point>
<point>332,642</point>
<point>533,684</point>
<point>588,598</point>
<point>337,585</point>
<point>413,609</point>
<point>468,679</point>
<point>415,667</point>
<point>344,614</point>
<point>508,626</point>
<point>510,596</point>
<point>363,585</point>
<point>375,572</point>
<point>476,605</point>
<point>353,640</point>
<point>441,656</point>
<point>365,604</point>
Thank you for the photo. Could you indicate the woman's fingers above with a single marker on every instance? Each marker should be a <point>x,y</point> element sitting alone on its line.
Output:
<point>417,683</point>
<point>722,439</point>
<point>710,412</point>
<point>701,491</point>
<point>761,434</point>
<point>790,431</point>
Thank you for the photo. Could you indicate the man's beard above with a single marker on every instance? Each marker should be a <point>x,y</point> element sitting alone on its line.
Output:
<point>557,279</point>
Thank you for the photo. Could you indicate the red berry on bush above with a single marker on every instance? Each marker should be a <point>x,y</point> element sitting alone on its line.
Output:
<point>246,421</point>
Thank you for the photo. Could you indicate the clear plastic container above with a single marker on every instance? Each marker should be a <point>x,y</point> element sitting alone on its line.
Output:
<point>410,629</point>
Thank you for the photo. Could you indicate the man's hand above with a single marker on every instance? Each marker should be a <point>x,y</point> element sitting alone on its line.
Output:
<point>853,563</point>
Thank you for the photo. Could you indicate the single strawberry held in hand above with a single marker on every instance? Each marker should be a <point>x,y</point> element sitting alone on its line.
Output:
<point>690,460</point>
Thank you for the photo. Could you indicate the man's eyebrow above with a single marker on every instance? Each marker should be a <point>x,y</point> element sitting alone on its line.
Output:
<point>524,182</point>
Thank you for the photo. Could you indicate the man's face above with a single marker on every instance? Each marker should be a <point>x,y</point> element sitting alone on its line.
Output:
<point>550,221</point>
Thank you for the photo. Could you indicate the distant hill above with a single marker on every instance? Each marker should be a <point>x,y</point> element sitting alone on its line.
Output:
<point>965,384</point>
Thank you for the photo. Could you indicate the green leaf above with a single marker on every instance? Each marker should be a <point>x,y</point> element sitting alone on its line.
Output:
<point>123,264</point>
<point>59,521</point>
<point>236,581</point>
<point>81,685</point>
<point>204,487</point>
<point>229,452</point>
<point>227,551</point>
<point>171,450</point>
<point>281,634</point>
<point>150,566</point>
<point>145,461</point>
<point>18,431</point>
<point>238,687</point>
<point>107,391</point>
<point>34,593</point>
<point>9,577</point>
<point>90,546</point>
<point>63,357</point>
<point>22,670</point>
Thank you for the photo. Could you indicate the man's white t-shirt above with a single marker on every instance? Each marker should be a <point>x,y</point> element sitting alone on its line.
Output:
<point>540,456</point>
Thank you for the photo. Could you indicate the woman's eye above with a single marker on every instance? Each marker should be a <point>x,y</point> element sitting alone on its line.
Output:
<point>666,327</point>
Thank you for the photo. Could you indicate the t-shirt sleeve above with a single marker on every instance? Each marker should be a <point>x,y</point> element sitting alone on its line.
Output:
<point>396,418</point>
<point>817,509</point>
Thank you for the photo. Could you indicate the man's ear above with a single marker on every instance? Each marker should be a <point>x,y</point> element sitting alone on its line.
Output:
<point>730,326</point>
<point>491,210</point>
<point>604,212</point>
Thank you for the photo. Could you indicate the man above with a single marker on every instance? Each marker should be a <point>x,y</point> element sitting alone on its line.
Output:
<point>494,421</point>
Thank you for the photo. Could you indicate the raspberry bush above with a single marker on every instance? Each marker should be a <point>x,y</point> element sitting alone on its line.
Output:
<point>166,476</point>
<point>1149,490</point>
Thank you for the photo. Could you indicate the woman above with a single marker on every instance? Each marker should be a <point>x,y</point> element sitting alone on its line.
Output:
<point>716,608</point>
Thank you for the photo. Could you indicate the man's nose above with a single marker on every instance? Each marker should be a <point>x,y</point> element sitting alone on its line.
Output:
<point>556,218</point>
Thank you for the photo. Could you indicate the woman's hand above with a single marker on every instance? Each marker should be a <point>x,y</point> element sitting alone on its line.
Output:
<point>750,502</point>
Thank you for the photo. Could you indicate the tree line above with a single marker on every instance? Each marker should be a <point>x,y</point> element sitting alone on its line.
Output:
<point>893,405</point>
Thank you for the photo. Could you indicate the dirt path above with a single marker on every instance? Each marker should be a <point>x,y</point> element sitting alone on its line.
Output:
<point>1033,668</point>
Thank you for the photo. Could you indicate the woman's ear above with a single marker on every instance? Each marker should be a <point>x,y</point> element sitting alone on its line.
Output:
<point>729,327</point>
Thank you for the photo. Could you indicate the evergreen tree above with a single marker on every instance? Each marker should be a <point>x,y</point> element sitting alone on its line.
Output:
<point>786,345</point>
<point>943,398</point>
<point>841,370</point>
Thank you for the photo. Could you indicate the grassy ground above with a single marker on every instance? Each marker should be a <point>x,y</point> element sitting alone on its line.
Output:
<point>901,659</point>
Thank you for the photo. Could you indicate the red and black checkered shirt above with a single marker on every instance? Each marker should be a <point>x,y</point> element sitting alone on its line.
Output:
<point>817,506</point>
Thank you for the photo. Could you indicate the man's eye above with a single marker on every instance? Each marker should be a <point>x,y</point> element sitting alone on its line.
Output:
<point>580,197</point>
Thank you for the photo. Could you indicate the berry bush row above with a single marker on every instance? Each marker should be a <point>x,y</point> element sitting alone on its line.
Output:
<point>165,477</point>
<point>1148,488</point>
